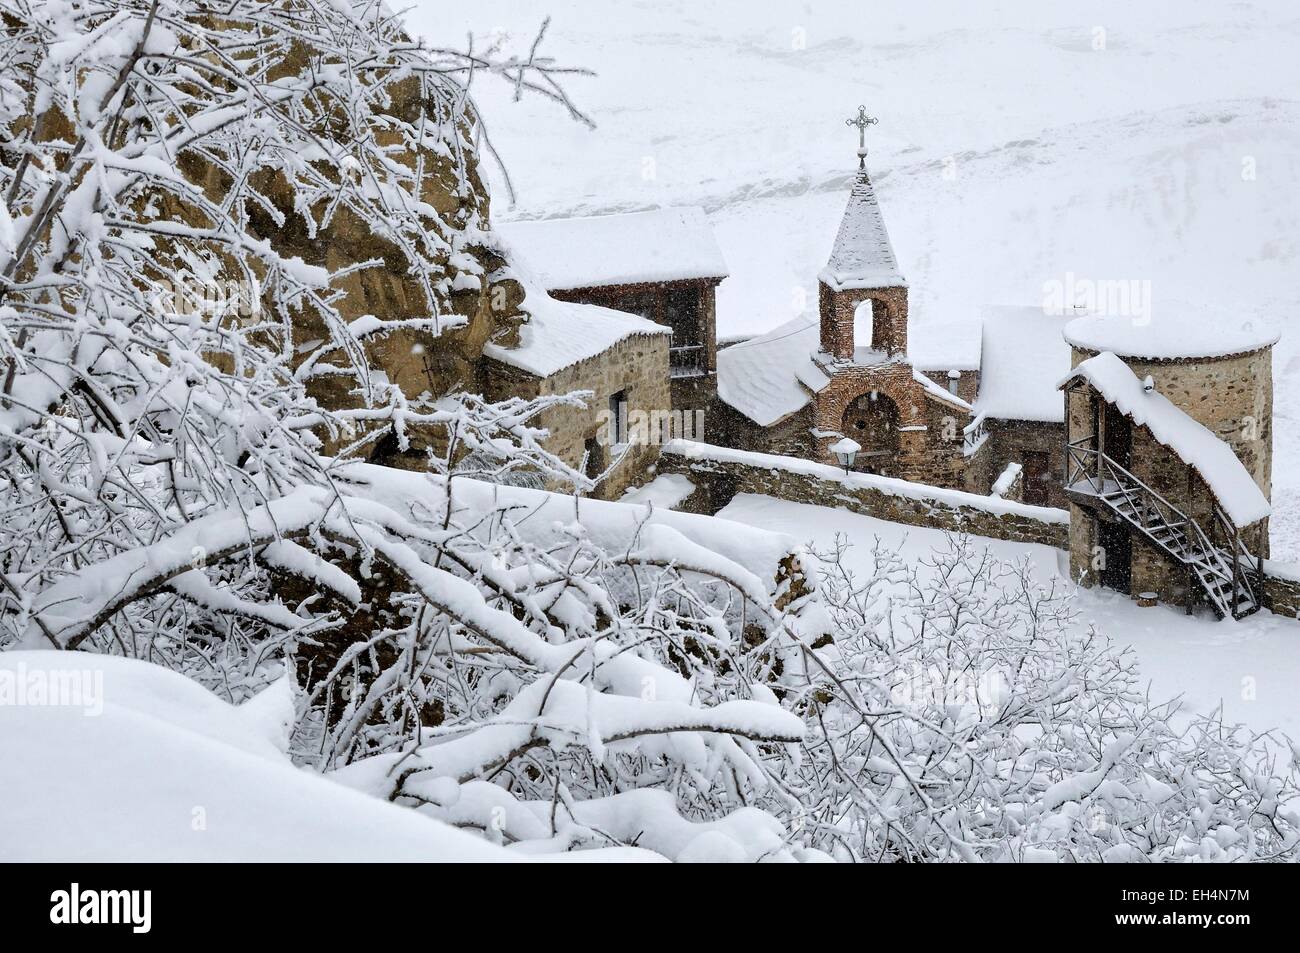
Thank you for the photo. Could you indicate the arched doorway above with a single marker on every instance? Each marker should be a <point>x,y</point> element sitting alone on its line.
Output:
<point>872,420</point>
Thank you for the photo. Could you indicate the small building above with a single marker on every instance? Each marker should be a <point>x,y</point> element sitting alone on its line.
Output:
<point>622,359</point>
<point>765,391</point>
<point>663,265</point>
<point>1169,459</point>
<point>1019,416</point>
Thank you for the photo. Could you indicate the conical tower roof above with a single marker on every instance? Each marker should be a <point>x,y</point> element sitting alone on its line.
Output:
<point>862,256</point>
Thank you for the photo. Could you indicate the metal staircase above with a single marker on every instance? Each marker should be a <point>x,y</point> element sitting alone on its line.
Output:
<point>1226,575</point>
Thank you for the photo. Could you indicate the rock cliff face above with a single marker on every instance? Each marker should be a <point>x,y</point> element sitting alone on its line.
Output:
<point>389,273</point>
<point>401,222</point>
<point>431,258</point>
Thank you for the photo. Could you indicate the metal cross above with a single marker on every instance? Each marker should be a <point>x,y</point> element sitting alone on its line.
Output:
<point>862,121</point>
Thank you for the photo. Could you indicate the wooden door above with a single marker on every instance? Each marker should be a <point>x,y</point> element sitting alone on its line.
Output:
<point>1117,551</point>
<point>1037,474</point>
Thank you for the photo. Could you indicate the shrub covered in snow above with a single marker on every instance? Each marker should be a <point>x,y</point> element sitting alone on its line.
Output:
<point>162,483</point>
<point>973,718</point>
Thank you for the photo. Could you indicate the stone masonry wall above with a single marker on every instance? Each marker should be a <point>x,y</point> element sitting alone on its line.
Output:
<point>968,384</point>
<point>929,438</point>
<point>727,427</point>
<point>1282,589</point>
<point>637,365</point>
<point>719,474</point>
<point>1010,440</point>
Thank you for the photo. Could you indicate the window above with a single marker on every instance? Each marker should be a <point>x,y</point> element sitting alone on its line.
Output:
<point>862,325</point>
<point>618,418</point>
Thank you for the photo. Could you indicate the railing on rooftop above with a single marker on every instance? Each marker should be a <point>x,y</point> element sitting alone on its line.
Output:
<point>688,360</point>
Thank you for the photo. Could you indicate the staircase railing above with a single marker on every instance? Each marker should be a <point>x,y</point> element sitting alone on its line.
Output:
<point>1249,576</point>
<point>973,436</point>
<point>1154,515</point>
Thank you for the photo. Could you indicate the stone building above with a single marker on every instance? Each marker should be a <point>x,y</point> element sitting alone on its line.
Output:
<point>1017,433</point>
<point>807,385</point>
<point>1170,460</point>
<point>663,265</point>
<point>621,359</point>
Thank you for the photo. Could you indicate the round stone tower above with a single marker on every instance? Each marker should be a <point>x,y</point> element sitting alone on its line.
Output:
<point>1218,373</point>
<point>1170,459</point>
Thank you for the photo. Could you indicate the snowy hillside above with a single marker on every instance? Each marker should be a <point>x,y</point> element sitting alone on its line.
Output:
<point>1010,151</point>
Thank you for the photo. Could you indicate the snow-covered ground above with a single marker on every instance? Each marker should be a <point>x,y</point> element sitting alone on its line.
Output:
<point>1251,667</point>
<point>113,759</point>
<point>1019,143</point>
<point>122,760</point>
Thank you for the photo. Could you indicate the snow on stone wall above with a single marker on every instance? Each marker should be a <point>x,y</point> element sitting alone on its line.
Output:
<point>1282,588</point>
<point>720,473</point>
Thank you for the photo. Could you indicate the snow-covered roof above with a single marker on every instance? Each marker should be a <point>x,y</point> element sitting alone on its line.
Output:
<point>769,377</point>
<point>669,244</point>
<point>862,256</point>
<point>1226,476</point>
<point>1023,357</point>
<point>944,345</point>
<point>1183,334</point>
<point>559,334</point>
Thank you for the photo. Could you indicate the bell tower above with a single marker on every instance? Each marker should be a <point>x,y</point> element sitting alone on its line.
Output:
<point>862,295</point>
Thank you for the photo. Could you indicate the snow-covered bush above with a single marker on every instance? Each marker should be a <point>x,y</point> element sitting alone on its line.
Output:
<point>974,718</point>
<point>603,696</point>
<point>164,494</point>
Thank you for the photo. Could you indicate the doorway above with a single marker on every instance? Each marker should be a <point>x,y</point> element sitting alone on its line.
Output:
<point>871,421</point>
<point>1117,554</point>
<point>1118,437</point>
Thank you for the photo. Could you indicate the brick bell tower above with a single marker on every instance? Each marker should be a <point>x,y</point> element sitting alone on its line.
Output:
<point>872,394</point>
<point>862,268</point>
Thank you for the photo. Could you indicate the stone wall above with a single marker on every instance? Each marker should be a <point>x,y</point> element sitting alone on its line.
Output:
<point>725,426</point>
<point>637,365</point>
<point>1083,547</point>
<point>968,384</point>
<point>1010,441</point>
<point>1282,589</point>
<point>719,474</point>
